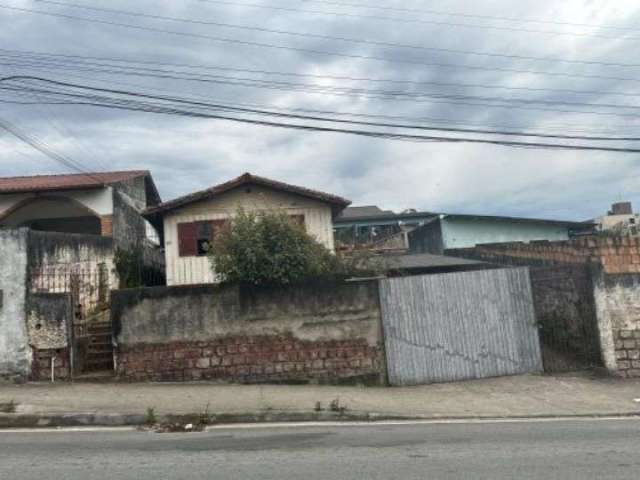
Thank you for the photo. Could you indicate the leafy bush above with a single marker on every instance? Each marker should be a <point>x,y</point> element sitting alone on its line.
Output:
<point>268,248</point>
<point>132,270</point>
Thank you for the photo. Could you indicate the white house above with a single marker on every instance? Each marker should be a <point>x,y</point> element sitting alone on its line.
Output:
<point>189,223</point>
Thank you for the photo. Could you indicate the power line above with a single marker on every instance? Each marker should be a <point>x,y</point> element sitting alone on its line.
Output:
<point>319,52</point>
<point>329,77</point>
<point>468,15</point>
<point>414,20</point>
<point>43,148</point>
<point>564,127</point>
<point>338,38</point>
<point>50,116</point>
<point>419,97</point>
<point>389,135</point>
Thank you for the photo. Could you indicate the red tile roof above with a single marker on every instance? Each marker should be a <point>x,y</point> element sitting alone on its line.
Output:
<point>338,203</point>
<point>40,183</point>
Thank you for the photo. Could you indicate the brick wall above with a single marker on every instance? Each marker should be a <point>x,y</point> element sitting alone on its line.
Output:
<point>321,332</point>
<point>106,225</point>
<point>253,359</point>
<point>41,365</point>
<point>615,254</point>
<point>627,347</point>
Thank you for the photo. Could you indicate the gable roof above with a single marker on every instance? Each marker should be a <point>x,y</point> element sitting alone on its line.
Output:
<point>337,203</point>
<point>364,211</point>
<point>498,218</point>
<point>76,181</point>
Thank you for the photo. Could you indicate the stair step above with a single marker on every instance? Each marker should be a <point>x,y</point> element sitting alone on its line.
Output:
<point>99,331</point>
<point>102,363</point>
<point>100,351</point>
<point>100,347</point>
<point>99,355</point>
<point>108,334</point>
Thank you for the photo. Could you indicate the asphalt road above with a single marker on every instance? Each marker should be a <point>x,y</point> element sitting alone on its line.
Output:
<point>593,449</point>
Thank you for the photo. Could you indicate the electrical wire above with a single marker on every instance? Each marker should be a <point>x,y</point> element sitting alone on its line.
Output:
<point>319,52</point>
<point>46,150</point>
<point>123,103</point>
<point>467,15</point>
<point>413,20</point>
<point>317,76</point>
<point>332,37</point>
<point>564,127</point>
<point>414,97</point>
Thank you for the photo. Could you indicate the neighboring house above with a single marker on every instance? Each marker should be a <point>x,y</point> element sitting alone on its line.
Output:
<point>446,231</point>
<point>619,220</point>
<point>189,223</point>
<point>105,203</point>
<point>58,239</point>
<point>370,227</point>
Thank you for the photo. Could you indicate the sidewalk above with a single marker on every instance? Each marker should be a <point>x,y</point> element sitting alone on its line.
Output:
<point>523,396</point>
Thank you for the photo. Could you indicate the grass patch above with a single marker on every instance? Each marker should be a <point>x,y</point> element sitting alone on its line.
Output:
<point>150,417</point>
<point>8,407</point>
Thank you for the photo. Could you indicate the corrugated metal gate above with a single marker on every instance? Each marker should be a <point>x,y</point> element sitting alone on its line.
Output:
<point>456,326</point>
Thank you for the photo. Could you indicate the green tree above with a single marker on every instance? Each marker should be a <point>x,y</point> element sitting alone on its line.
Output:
<point>268,248</point>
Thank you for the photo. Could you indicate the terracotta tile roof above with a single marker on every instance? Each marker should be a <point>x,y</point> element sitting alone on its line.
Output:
<point>75,181</point>
<point>338,203</point>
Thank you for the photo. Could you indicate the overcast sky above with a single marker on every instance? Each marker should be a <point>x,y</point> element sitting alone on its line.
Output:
<point>190,154</point>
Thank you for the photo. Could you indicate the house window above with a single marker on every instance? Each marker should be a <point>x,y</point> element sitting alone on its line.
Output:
<point>297,219</point>
<point>194,238</point>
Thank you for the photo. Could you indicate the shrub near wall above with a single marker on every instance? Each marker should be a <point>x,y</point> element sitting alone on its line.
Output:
<point>322,332</point>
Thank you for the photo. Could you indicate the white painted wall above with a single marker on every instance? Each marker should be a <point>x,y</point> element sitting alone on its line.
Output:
<point>466,233</point>
<point>100,200</point>
<point>190,270</point>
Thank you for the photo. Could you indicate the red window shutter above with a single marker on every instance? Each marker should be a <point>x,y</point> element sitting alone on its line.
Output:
<point>187,239</point>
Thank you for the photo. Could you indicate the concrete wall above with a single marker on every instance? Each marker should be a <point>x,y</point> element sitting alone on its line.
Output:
<point>15,354</point>
<point>129,227</point>
<point>617,299</point>
<point>464,233</point>
<point>194,270</point>
<point>317,332</point>
<point>49,317</point>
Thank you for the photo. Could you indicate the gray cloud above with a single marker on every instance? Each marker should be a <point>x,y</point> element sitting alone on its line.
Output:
<point>189,154</point>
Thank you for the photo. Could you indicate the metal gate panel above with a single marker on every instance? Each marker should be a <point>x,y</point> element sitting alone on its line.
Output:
<point>457,326</point>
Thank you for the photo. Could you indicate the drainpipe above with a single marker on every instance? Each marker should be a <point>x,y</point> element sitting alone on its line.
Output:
<point>53,375</point>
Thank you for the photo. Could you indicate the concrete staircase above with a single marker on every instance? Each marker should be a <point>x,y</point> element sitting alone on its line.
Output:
<point>99,357</point>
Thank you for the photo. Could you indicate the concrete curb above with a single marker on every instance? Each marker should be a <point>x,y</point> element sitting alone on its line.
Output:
<point>17,420</point>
